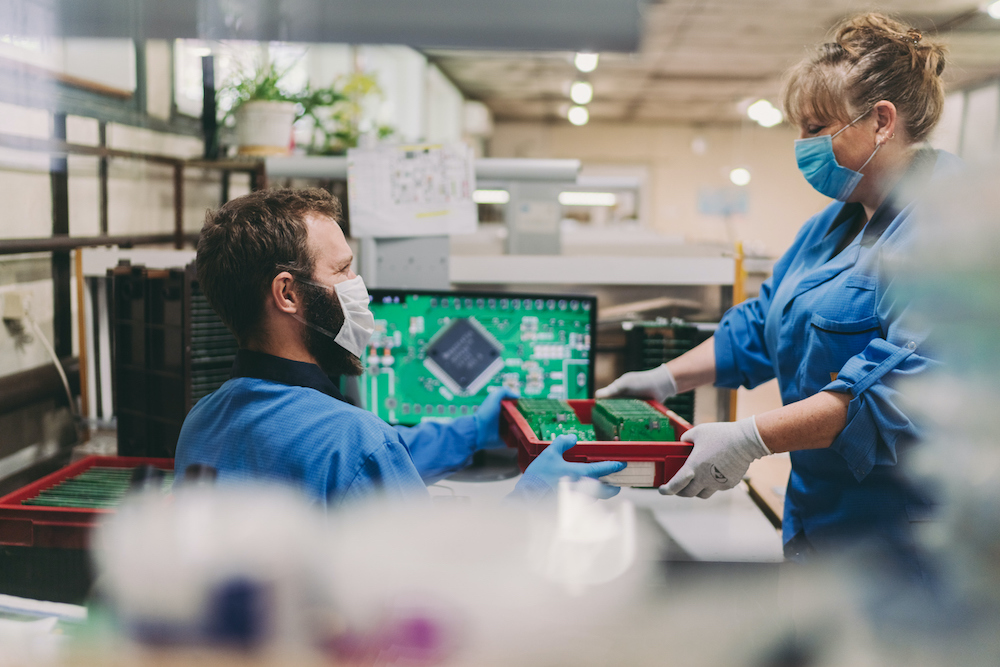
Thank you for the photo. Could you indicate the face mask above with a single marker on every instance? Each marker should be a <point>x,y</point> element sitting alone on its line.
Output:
<point>819,165</point>
<point>359,323</point>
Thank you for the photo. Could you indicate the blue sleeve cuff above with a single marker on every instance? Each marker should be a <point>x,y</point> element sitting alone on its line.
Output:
<point>530,488</point>
<point>468,430</point>
<point>873,418</point>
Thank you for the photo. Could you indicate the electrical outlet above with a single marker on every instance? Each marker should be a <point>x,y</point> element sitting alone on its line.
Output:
<point>15,305</point>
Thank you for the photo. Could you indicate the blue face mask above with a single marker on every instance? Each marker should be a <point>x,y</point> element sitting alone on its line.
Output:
<point>819,165</point>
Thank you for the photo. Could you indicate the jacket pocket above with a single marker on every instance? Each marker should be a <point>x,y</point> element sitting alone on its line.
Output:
<point>829,344</point>
<point>846,327</point>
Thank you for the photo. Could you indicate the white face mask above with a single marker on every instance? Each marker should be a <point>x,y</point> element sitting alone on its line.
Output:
<point>359,323</point>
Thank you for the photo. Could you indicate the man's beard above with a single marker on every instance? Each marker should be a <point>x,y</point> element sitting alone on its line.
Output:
<point>322,309</point>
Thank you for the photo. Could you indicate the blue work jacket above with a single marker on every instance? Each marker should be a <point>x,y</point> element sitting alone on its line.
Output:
<point>829,320</point>
<point>284,421</point>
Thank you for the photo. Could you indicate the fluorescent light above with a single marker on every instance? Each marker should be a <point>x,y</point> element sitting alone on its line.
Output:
<point>764,113</point>
<point>585,62</point>
<point>588,198</point>
<point>770,117</point>
<point>993,9</point>
<point>758,108</point>
<point>739,176</point>
<point>491,196</point>
<point>578,115</point>
<point>581,92</point>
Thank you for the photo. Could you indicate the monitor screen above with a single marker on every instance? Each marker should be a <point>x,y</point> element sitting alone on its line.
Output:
<point>436,355</point>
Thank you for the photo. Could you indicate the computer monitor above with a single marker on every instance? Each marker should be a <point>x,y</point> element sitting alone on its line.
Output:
<point>435,355</point>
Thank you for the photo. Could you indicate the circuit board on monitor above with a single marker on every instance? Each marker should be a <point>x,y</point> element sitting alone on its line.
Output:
<point>436,355</point>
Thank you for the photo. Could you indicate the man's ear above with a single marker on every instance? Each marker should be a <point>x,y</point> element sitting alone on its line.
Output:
<point>283,294</point>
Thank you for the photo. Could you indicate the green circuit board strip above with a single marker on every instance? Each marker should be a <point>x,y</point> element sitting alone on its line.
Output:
<point>550,418</point>
<point>615,419</point>
<point>630,419</point>
<point>97,487</point>
<point>539,347</point>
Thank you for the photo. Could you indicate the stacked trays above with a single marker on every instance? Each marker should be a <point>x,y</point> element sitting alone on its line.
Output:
<point>45,526</point>
<point>649,344</point>
<point>170,350</point>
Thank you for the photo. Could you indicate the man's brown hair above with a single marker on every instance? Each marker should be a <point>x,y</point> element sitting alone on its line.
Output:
<point>246,242</point>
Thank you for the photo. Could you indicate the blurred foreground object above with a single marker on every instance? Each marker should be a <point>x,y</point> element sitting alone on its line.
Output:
<point>954,279</point>
<point>259,572</point>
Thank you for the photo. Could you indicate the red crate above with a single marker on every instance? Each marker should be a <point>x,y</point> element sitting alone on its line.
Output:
<point>667,457</point>
<point>59,527</point>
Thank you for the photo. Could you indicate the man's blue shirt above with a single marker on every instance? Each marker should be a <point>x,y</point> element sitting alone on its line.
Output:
<point>828,320</point>
<point>285,421</point>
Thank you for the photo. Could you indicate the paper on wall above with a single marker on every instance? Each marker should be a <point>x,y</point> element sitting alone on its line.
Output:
<point>411,190</point>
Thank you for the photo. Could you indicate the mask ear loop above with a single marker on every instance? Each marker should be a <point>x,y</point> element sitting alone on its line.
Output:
<point>877,146</point>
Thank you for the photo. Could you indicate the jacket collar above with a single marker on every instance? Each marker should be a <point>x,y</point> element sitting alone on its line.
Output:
<point>284,371</point>
<point>916,176</point>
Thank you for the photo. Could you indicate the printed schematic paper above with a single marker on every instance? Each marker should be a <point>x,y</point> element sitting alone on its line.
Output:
<point>411,190</point>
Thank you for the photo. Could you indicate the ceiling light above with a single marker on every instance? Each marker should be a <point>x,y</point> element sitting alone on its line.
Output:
<point>581,92</point>
<point>771,117</point>
<point>491,196</point>
<point>756,110</point>
<point>739,176</point>
<point>578,115</point>
<point>588,198</point>
<point>764,113</point>
<point>585,62</point>
<point>993,9</point>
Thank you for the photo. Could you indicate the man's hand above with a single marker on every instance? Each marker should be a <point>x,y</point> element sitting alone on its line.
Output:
<point>657,383</point>
<point>550,466</point>
<point>722,453</point>
<point>488,419</point>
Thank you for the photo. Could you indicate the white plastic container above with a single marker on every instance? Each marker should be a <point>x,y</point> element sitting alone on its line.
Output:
<point>265,128</point>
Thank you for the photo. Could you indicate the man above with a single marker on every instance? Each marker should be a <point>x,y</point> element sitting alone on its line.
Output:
<point>276,268</point>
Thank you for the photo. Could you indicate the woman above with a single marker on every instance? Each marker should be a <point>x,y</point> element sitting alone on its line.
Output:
<point>825,323</point>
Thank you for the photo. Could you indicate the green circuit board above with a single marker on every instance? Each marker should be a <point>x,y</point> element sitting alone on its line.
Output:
<point>435,356</point>
<point>630,419</point>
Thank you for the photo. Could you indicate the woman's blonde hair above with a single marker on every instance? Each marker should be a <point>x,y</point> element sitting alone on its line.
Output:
<point>871,58</point>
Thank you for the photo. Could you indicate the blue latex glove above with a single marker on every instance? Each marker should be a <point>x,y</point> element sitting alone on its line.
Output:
<point>550,466</point>
<point>488,419</point>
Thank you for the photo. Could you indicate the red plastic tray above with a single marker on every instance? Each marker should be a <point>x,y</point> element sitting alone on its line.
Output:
<point>61,527</point>
<point>667,457</point>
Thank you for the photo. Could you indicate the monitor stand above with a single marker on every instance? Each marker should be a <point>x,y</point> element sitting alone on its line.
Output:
<point>489,465</point>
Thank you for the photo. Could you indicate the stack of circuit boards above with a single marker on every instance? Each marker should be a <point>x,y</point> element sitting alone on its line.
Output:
<point>96,487</point>
<point>549,418</point>
<point>630,419</point>
<point>622,419</point>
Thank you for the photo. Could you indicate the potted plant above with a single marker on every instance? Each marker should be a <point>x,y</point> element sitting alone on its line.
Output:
<point>337,114</point>
<point>263,109</point>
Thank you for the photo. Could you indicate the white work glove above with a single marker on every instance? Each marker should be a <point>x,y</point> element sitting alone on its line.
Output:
<point>722,453</point>
<point>657,383</point>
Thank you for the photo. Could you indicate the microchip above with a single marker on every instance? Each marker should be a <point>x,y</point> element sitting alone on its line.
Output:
<point>464,356</point>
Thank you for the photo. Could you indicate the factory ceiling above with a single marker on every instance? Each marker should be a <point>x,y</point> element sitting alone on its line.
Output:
<point>703,60</point>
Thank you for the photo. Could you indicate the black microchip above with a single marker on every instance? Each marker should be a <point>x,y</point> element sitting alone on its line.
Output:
<point>463,353</point>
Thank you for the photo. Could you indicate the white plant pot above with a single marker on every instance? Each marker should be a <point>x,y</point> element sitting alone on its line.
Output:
<point>265,128</point>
